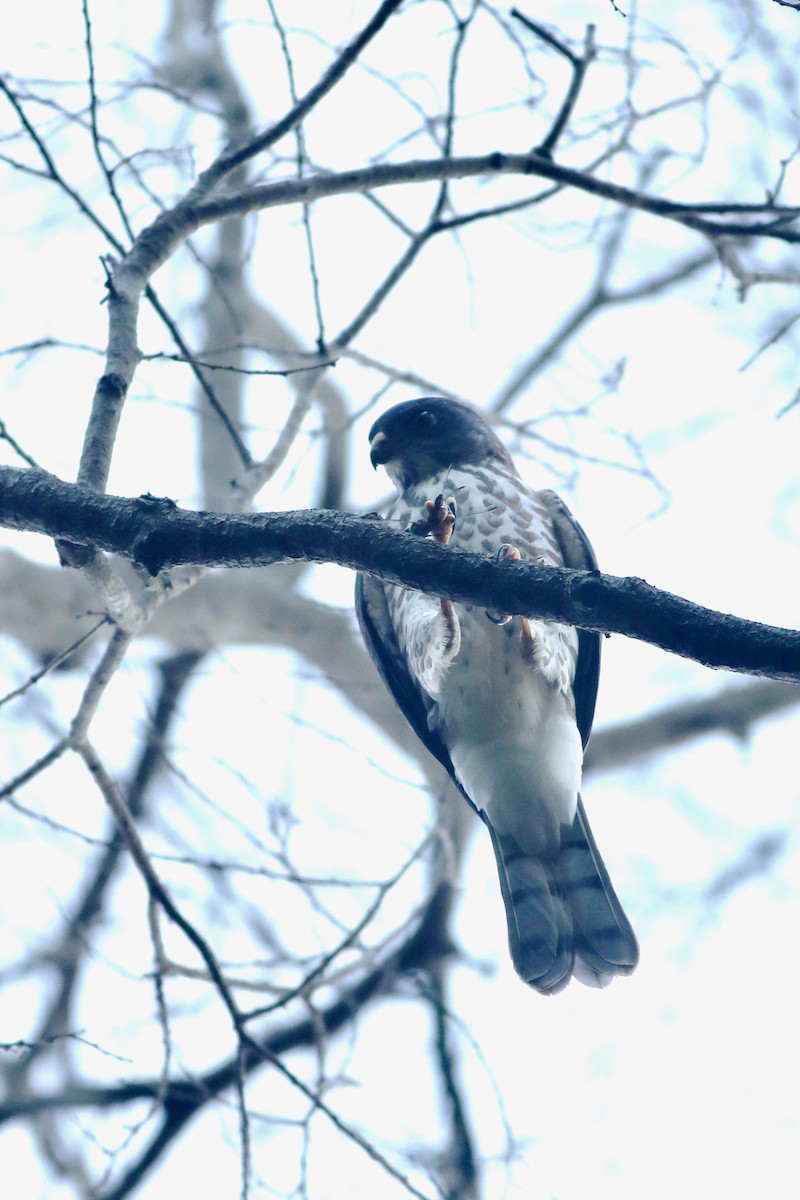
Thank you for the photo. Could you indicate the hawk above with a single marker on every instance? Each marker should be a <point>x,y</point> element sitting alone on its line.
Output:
<point>505,703</point>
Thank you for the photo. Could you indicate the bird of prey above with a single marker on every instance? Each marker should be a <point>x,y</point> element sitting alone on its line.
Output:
<point>505,703</point>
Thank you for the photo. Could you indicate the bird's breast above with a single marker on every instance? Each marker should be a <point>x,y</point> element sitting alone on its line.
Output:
<point>493,507</point>
<point>511,735</point>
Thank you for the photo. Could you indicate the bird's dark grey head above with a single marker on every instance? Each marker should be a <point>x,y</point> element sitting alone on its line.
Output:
<point>421,438</point>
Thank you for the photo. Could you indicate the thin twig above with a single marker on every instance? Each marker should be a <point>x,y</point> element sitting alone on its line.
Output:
<point>54,662</point>
<point>419,240</point>
<point>99,680</point>
<point>158,894</point>
<point>53,171</point>
<point>255,372</point>
<point>300,162</point>
<point>598,299</point>
<point>229,161</point>
<point>773,338</point>
<point>579,68</point>
<point>16,447</point>
<point>96,140</point>
<point>461,1156</point>
<point>303,988</point>
<point>208,391</point>
<point>41,764</point>
<point>175,672</point>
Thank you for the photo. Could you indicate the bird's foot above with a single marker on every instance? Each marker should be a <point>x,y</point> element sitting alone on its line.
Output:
<point>506,553</point>
<point>441,518</point>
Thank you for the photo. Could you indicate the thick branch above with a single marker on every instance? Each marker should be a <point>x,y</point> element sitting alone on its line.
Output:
<point>157,534</point>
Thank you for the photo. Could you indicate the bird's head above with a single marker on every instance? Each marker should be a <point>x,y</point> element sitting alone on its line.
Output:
<point>421,438</point>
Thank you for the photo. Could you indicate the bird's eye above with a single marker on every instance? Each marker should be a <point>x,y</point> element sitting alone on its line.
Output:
<point>424,421</point>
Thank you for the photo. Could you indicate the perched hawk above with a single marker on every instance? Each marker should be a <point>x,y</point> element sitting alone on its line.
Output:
<point>503,702</point>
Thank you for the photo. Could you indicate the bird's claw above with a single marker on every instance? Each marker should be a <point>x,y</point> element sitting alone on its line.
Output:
<point>498,618</point>
<point>506,553</point>
<point>441,518</point>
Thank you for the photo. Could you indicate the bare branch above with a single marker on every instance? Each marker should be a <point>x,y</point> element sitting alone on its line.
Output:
<point>428,943</point>
<point>52,755</point>
<point>52,170</point>
<point>158,534</point>
<point>70,952</point>
<point>93,106</point>
<point>702,217</point>
<point>99,680</point>
<point>5,436</point>
<point>579,64</point>
<point>547,37</point>
<point>600,297</point>
<point>732,710</point>
<point>56,661</point>
<point>460,1166</point>
<point>747,277</point>
<point>235,158</point>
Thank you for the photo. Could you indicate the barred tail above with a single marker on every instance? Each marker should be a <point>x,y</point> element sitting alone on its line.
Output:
<point>605,943</point>
<point>563,915</point>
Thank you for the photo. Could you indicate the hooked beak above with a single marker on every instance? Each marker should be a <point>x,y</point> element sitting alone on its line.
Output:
<point>378,450</point>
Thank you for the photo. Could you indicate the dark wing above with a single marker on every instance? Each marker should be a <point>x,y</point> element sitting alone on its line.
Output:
<point>578,555</point>
<point>604,939</point>
<point>378,633</point>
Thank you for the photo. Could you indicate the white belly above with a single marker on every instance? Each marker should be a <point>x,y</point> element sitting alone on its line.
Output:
<point>511,735</point>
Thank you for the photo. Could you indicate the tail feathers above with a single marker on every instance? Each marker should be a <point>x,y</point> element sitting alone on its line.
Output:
<point>539,924</point>
<point>604,939</point>
<point>563,915</point>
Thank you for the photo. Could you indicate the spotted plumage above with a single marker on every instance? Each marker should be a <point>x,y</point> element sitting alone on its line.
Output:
<point>504,703</point>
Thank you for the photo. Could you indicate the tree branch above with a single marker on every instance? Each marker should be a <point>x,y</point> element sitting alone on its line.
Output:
<point>698,216</point>
<point>182,1099</point>
<point>733,710</point>
<point>229,161</point>
<point>157,534</point>
<point>68,954</point>
<point>170,229</point>
<point>38,607</point>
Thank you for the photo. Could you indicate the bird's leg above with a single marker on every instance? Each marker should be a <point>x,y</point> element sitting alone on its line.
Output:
<point>527,639</point>
<point>439,522</point>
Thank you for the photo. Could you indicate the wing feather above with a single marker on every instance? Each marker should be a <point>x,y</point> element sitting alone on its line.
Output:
<point>578,555</point>
<point>379,636</point>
